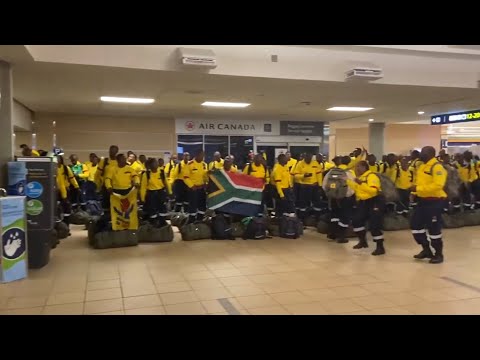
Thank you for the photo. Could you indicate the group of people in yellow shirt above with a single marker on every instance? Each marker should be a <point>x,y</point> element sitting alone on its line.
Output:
<point>292,186</point>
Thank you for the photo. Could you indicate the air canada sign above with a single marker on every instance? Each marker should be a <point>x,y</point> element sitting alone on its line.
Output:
<point>226,127</point>
<point>190,126</point>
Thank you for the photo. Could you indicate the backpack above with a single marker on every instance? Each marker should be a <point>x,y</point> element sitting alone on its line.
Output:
<point>336,186</point>
<point>290,227</point>
<point>452,185</point>
<point>256,229</point>
<point>394,222</point>
<point>221,229</point>
<point>389,190</point>
<point>93,208</point>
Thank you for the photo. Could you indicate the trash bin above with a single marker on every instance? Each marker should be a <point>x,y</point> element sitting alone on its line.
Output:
<point>39,188</point>
<point>13,252</point>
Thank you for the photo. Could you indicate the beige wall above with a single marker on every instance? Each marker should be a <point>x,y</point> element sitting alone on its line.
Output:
<point>399,139</point>
<point>83,134</point>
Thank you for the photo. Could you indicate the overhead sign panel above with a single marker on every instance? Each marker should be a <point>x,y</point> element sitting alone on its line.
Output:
<point>460,117</point>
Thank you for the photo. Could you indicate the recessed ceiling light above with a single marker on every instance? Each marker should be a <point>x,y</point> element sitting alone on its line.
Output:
<point>421,112</point>
<point>225,104</point>
<point>126,100</point>
<point>371,120</point>
<point>349,108</point>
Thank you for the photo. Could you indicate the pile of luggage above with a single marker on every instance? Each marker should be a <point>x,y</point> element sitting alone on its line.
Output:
<point>224,227</point>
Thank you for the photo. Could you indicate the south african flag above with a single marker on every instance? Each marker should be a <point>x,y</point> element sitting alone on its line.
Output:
<point>235,193</point>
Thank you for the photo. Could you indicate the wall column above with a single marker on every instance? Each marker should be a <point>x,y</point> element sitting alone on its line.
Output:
<point>376,139</point>
<point>6,120</point>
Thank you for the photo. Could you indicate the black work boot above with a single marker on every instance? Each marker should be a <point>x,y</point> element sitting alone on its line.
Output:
<point>362,242</point>
<point>438,257</point>
<point>341,238</point>
<point>380,250</point>
<point>426,253</point>
<point>332,232</point>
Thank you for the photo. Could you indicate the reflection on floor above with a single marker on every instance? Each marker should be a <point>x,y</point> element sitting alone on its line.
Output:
<point>273,276</point>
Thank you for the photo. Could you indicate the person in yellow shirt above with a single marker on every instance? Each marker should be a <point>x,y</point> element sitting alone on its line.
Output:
<point>180,189</point>
<point>120,183</point>
<point>468,175</point>
<point>415,163</point>
<point>105,166</point>
<point>373,165</point>
<point>340,209</point>
<point>308,175</point>
<point>234,166</point>
<point>217,162</point>
<point>90,187</point>
<point>473,179</point>
<point>370,207</point>
<point>170,166</point>
<point>357,155</point>
<point>427,215</point>
<point>154,190</point>
<point>283,184</point>
<point>291,162</point>
<point>228,165</point>
<point>135,164</point>
<point>391,167</point>
<point>143,162</point>
<point>27,151</point>
<point>122,178</point>
<point>403,183</point>
<point>66,184</point>
<point>195,177</point>
<point>259,169</point>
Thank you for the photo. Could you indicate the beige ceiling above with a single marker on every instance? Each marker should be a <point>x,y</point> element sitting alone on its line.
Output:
<point>49,87</point>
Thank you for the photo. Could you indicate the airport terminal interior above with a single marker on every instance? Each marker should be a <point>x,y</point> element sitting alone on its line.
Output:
<point>239,179</point>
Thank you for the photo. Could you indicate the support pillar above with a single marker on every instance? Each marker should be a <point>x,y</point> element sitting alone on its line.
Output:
<point>376,139</point>
<point>6,120</point>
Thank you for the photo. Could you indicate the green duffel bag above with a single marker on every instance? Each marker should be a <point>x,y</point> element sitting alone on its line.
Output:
<point>80,217</point>
<point>471,218</point>
<point>273,229</point>
<point>238,229</point>
<point>322,227</point>
<point>149,233</point>
<point>394,222</point>
<point>62,230</point>
<point>115,239</point>
<point>453,221</point>
<point>199,231</point>
<point>311,221</point>
<point>55,240</point>
<point>178,219</point>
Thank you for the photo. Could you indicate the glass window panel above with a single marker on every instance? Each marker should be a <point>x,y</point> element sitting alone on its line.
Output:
<point>240,146</point>
<point>215,143</point>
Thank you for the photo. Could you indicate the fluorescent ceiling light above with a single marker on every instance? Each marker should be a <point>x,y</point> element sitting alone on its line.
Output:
<point>349,108</point>
<point>225,104</point>
<point>421,112</point>
<point>126,100</point>
<point>371,120</point>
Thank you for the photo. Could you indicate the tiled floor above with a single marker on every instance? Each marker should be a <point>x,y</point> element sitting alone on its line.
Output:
<point>271,277</point>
